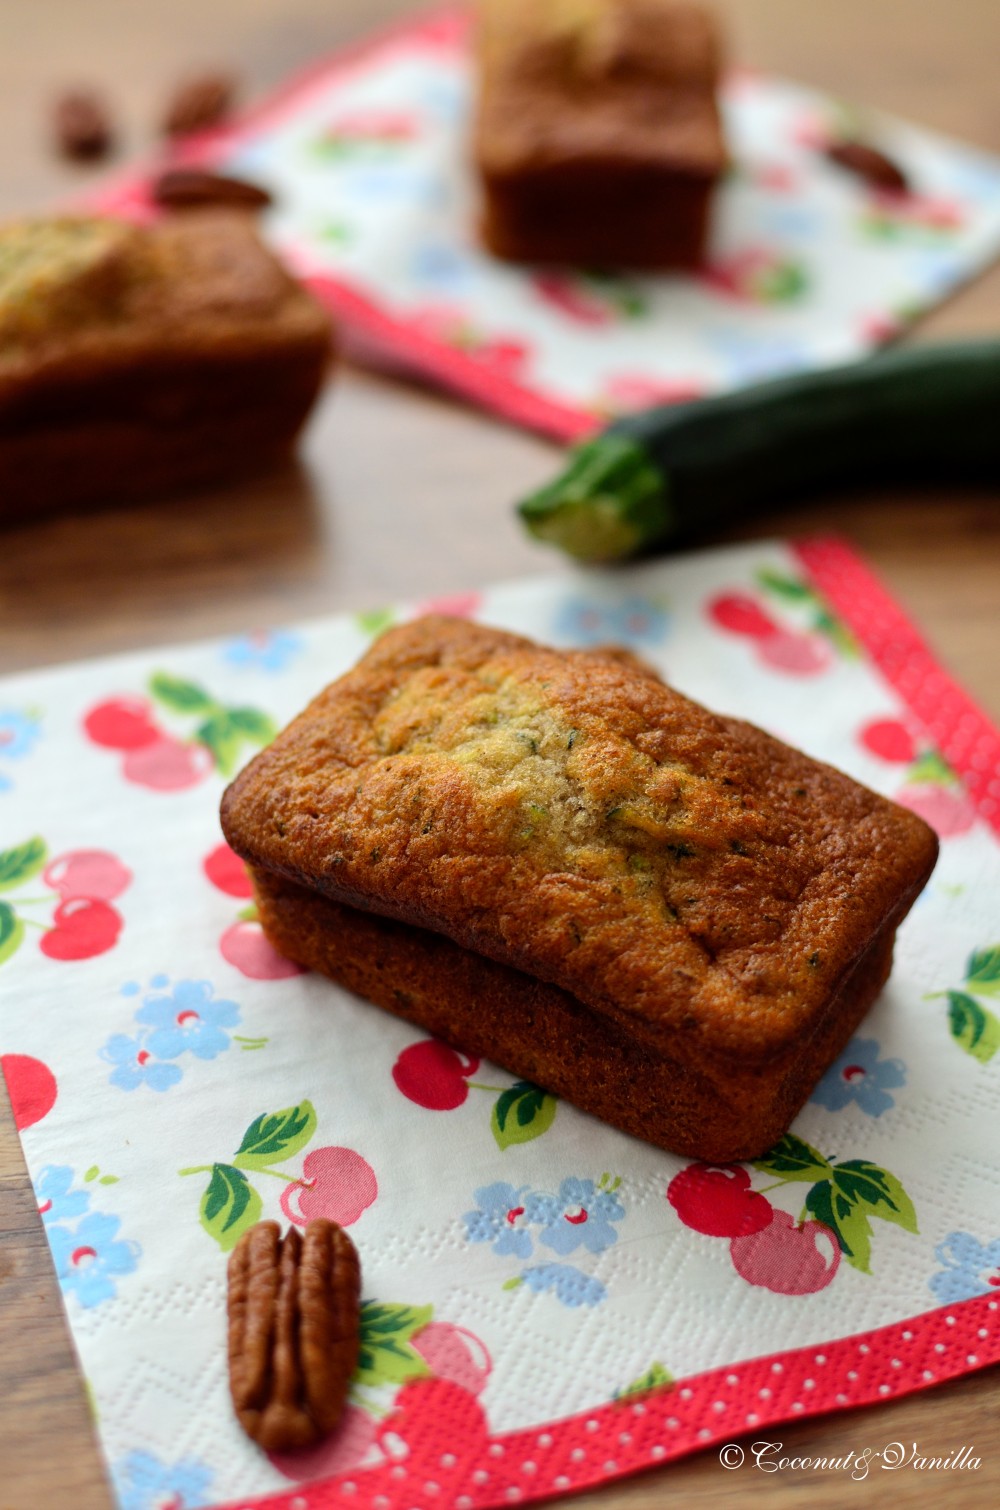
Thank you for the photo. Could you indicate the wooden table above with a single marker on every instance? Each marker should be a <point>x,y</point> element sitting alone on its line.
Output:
<point>399,492</point>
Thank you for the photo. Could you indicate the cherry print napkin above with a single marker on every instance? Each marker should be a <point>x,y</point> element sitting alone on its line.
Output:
<point>547,1302</point>
<point>367,156</point>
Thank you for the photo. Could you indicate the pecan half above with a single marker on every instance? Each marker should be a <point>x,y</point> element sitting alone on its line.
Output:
<point>294,1306</point>
<point>199,103</point>
<point>870,164</point>
<point>193,188</point>
<point>81,125</point>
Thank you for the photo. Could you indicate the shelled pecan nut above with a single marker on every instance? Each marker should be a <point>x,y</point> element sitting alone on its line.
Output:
<point>192,188</point>
<point>199,103</point>
<point>294,1306</point>
<point>868,163</point>
<point>81,125</point>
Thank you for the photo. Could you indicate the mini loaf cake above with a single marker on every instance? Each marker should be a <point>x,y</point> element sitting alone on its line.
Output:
<point>556,861</point>
<point>598,138</point>
<point>138,359</point>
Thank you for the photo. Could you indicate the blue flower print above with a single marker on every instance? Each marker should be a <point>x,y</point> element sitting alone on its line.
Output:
<point>629,621</point>
<point>501,1219</point>
<point>56,1201</point>
<point>187,1020</point>
<point>264,650</point>
<point>142,1482</point>
<point>89,1258</point>
<point>580,1216</point>
<point>969,1268</point>
<point>18,732</point>
<point>571,1286</point>
<point>860,1075</point>
<point>135,1065</point>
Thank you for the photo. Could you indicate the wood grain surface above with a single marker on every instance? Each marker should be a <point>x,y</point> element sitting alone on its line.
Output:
<point>402,491</point>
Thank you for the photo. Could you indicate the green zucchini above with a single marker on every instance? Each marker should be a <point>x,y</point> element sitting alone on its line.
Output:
<point>660,478</point>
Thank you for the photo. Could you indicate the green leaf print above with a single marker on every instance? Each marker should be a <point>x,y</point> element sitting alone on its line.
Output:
<point>253,724</point>
<point>229,1206</point>
<point>386,1355</point>
<point>847,1221</point>
<point>521,1113</point>
<point>222,740</point>
<point>931,766</point>
<point>274,1136</point>
<point>655,1377</point>
<point>982,973</point>
<point>855,1191</point>
<point>792,1160</point>
<point>11,931</point>
<point>789,588</point>
<point>179,695</point>
<point>973,1028</point>
<point>871,1186</point>
<point>22,862</point>
<point>375,620</point>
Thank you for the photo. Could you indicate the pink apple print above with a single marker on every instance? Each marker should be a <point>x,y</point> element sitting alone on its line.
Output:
<point>81,929</point>
<point>91,873</point>
<point>889,740</point>
<point>434,1075</point>
<point>947,809</point>
<point>453,1353</point>
<point>718,1201</point>
<point>246,946</point>
<point>31,1086</point>
<point>738,613</point>
<point>167,765</point>
<point>801,654</point>
<point>227,872</point>
<point>787,1258</point>
<point>348,1446</point>
<point>337,1183</point>
<point>122,723</point>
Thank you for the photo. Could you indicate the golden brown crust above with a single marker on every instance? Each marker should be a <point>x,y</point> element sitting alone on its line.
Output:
<point>702,887</point>
<point>136,358</point>
<point>717,1111</point>
<point>598,136</point>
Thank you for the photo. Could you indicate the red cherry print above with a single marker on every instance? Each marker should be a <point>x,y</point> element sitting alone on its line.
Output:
<point>563,294</point>
<point>337,1183</point>
<point>122,723</point>
<point>433,1075</point>
<point>246,946</point>
<point>889,740</point>
<point>91,873</point>
<point>801,654</point>
<point>31,1086</point>
<point>339,1453</point>
<point>948,811</point>
<point>168,765</point>
<point>741,614</point>
<point>718,1202</point>
<point>786,1258</point>
<point>227,872</point>
<point>452,1353</point>
<point>82,929</point>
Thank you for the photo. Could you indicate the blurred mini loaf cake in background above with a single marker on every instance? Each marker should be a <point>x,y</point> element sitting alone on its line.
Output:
<point>138,359</point>
<point>598,137</point>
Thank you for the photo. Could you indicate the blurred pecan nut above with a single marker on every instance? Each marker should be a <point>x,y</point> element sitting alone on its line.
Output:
<point>191,188</point>
<point>294,1306</point>
<point>199,103</point>
<point>81,125</point>
<point>869,163</point>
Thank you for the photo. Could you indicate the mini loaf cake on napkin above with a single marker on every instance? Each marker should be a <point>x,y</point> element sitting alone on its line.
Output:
<point>137,359</point>
<point>556,861</point>
<point>598,138</point>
